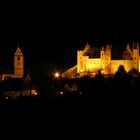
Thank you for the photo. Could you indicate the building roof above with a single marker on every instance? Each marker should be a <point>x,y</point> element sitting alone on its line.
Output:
<point>18,51</point>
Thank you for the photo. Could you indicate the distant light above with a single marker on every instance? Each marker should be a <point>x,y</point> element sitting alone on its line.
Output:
<point>34,92</point>
<point>6,97</point>
<point>56,74</point>
<point>61,93</point>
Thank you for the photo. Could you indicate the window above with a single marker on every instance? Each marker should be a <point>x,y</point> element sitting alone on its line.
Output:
<point>18,58</point>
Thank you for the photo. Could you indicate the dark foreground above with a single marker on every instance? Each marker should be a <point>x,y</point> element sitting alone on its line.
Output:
<point>111,112</point>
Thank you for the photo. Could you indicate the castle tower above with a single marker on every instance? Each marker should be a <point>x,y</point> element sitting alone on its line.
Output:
<point>136,55</point>
<point>79,61</point>
<point>108,59</point>
<point>18,64</point>
<point>102,57</point>
<point>86,49</point>
<point>82,59</point>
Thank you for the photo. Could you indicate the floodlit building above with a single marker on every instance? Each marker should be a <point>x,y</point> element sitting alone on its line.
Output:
<point>89,64</point>
<point>18,66</point>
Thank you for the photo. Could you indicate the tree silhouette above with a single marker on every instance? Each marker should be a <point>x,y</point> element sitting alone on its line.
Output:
<point>121,71</point>
<point>99,75</point>
<point>122,78</point>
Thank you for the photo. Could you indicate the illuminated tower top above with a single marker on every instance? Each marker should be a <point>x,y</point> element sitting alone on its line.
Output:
<point>18,52</point>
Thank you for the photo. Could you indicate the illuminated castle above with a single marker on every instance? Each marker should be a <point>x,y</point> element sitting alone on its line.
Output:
<point>90,65</point>
<point>18,66</point>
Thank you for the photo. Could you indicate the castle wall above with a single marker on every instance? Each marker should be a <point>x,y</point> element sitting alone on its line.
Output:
<point>139,65</point>
<point>128,65</point>
<point>92,65</point>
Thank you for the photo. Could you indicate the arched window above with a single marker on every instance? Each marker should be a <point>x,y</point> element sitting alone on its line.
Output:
<point>18,58</point>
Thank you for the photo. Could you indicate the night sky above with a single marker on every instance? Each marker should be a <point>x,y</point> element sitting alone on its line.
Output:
<point>51,33</point>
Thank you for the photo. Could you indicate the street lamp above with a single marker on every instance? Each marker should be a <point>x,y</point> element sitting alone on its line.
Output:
<point>56,75</point>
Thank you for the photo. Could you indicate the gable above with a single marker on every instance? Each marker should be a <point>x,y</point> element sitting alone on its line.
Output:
<point>18,52</point>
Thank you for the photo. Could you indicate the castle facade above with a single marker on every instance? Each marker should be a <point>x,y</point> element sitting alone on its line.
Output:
<point>104,63</point>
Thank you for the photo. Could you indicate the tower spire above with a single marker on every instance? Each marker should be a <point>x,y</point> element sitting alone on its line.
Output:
<point>18,44</point>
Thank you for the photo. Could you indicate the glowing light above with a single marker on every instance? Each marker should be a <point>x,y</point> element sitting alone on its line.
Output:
<point>34,92</point>
<point>56,74</point>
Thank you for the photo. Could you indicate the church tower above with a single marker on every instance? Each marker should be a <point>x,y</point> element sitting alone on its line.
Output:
<point>18,64</point>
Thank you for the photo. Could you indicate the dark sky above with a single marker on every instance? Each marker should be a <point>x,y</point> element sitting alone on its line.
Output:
<point>51,33</point>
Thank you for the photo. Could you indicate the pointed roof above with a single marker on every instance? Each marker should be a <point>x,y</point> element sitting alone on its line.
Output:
<point>86,49</point>
<point>87,46</point>
<point>18,51</point>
